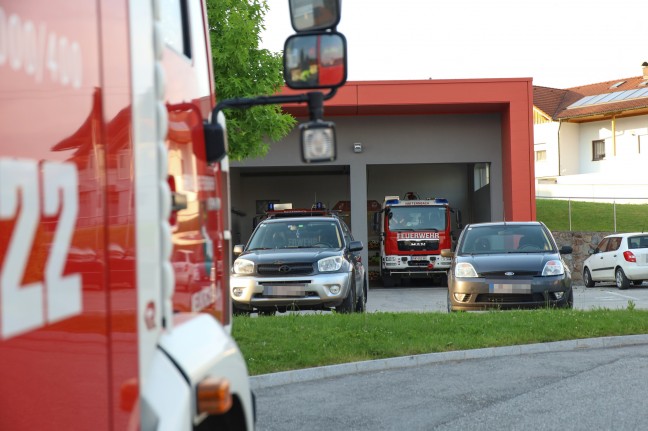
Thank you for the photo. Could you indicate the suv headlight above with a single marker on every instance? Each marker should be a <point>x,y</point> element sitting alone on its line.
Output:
<point>553,267</point>
<point>464,269</point>
<point>243,266</point>
<point>330,264</point>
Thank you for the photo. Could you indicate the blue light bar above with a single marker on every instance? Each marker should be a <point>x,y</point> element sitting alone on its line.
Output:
<point>392,202</point>
<point>441,200</point>
<point>270,206</point>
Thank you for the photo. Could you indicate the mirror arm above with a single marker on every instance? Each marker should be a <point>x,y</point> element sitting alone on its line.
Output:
<point>315,100</point>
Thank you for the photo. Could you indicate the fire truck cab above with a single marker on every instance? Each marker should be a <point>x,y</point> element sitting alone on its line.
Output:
<point>114,217</point>
<point>413,232</point>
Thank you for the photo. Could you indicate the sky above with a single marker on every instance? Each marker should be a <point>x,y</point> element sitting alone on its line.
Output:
<point>558,43</point>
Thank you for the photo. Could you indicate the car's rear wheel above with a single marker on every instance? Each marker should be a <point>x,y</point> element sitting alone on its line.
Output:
<point>587,278</point>
<point>349,302</point>
<point>622,281</point>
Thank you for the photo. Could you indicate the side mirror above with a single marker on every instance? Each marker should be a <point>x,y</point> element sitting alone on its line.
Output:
<point>318,141</point>
<point>376,222</point>
<point>238,249</point>
<point>313,15</point>
<point>458,219</point>
<point>446,252</point>
<point>356,246</point>
<point>314,61</point>
<point>566,249</point>
<point>216,144</point>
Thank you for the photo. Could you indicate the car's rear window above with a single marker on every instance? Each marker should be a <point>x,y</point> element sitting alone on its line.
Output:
<point>635,242</point>
<point>505,239</point>
<point>296,234</point>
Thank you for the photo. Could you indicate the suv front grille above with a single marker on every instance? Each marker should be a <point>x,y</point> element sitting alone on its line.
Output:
<point>286,269</point>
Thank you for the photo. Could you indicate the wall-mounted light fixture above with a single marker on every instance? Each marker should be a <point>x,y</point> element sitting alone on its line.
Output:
<point>357,147</point>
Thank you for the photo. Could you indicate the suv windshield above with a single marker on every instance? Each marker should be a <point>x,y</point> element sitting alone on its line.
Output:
<point>296,234</point>
<point>505,239</point>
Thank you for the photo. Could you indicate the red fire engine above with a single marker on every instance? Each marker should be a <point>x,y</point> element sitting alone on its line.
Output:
<point>114,217</point>
<point>413,232</point>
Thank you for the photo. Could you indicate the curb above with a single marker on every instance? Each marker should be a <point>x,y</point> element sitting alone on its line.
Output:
<point>317,373</point>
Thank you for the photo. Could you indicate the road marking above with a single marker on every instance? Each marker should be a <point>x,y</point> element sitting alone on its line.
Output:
<point>621,295</point>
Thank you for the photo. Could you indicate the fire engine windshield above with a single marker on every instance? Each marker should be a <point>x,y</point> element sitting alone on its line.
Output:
<point>417,218</point>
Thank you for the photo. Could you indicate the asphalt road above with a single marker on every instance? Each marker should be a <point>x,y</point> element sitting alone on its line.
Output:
<point>596,384</point>
<point>578,389</point>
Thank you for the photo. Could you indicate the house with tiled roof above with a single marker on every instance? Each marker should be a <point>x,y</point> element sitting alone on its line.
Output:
<point>591,141</point>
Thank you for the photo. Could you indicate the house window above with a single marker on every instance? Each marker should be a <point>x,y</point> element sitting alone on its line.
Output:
<point>598,149</point>
<point>541,155</point>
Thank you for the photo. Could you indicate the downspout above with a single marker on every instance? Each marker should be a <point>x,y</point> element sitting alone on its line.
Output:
<point>559,159</point>
<point>614,148</point>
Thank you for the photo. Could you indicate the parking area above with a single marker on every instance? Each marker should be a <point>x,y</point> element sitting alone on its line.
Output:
<point>428,299</point>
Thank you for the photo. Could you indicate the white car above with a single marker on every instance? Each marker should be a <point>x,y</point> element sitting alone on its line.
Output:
<point>622,258</point>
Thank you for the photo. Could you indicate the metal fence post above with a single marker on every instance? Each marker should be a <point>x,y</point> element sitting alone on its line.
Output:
<point>569,206</point>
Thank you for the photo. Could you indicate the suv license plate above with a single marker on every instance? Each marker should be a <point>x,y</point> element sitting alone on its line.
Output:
<point>419,258</point>
<point>284,291</point>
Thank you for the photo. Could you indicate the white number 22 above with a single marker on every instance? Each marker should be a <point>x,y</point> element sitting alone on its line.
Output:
<point>30,306</point>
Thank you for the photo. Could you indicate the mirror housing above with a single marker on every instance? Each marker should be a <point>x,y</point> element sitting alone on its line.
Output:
<point>238,249</point>
<point>315,61</point>
<point>314,15</point>
<point>375,225</point>
<point>566,249</point>
<point>318,141</point>
<point>215,134</point>
<point>355,246</point>
<point>446,252</point>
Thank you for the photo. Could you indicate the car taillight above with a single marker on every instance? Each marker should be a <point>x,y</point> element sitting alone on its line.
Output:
<point>629,256</point>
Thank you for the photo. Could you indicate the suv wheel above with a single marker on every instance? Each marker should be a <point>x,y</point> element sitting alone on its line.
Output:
<point>361,305</point>
<point>349,302</point>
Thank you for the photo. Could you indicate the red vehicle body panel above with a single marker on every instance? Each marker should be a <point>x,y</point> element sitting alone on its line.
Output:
<point>65,93</point>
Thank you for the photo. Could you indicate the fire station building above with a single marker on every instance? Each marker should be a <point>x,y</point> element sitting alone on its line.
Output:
<point>469,141</point>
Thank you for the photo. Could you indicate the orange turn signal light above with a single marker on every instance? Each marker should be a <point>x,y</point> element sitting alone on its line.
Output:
<point>213,396</point>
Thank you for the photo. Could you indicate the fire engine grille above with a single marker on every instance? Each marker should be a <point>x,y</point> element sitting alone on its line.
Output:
<point>292,268</point>
<point>413,245</point>
<point>424,263</point>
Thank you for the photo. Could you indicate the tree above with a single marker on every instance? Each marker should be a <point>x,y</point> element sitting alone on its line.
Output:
<point>241,69</point>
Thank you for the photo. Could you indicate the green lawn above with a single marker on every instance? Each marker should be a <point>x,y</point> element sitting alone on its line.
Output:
<point>592,216</point>
<point>280,343</point>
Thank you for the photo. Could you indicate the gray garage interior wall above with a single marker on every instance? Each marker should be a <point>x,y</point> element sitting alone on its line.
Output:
<point>302,189</point>
<point>433,155</point>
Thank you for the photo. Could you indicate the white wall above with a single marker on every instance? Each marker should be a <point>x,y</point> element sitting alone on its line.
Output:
<point>621,158</point>
<point>545,137</point>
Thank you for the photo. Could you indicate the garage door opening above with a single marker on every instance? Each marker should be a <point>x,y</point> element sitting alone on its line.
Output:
<point>253,188</point>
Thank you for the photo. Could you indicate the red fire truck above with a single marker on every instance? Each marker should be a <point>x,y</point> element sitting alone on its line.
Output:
<point>413,232</point>
<point>114,217</point>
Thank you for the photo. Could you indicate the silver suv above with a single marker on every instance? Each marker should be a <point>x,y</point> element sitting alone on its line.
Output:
<point>299,263</point>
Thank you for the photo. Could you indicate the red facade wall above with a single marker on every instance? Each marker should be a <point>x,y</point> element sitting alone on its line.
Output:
<point>513,98</point>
